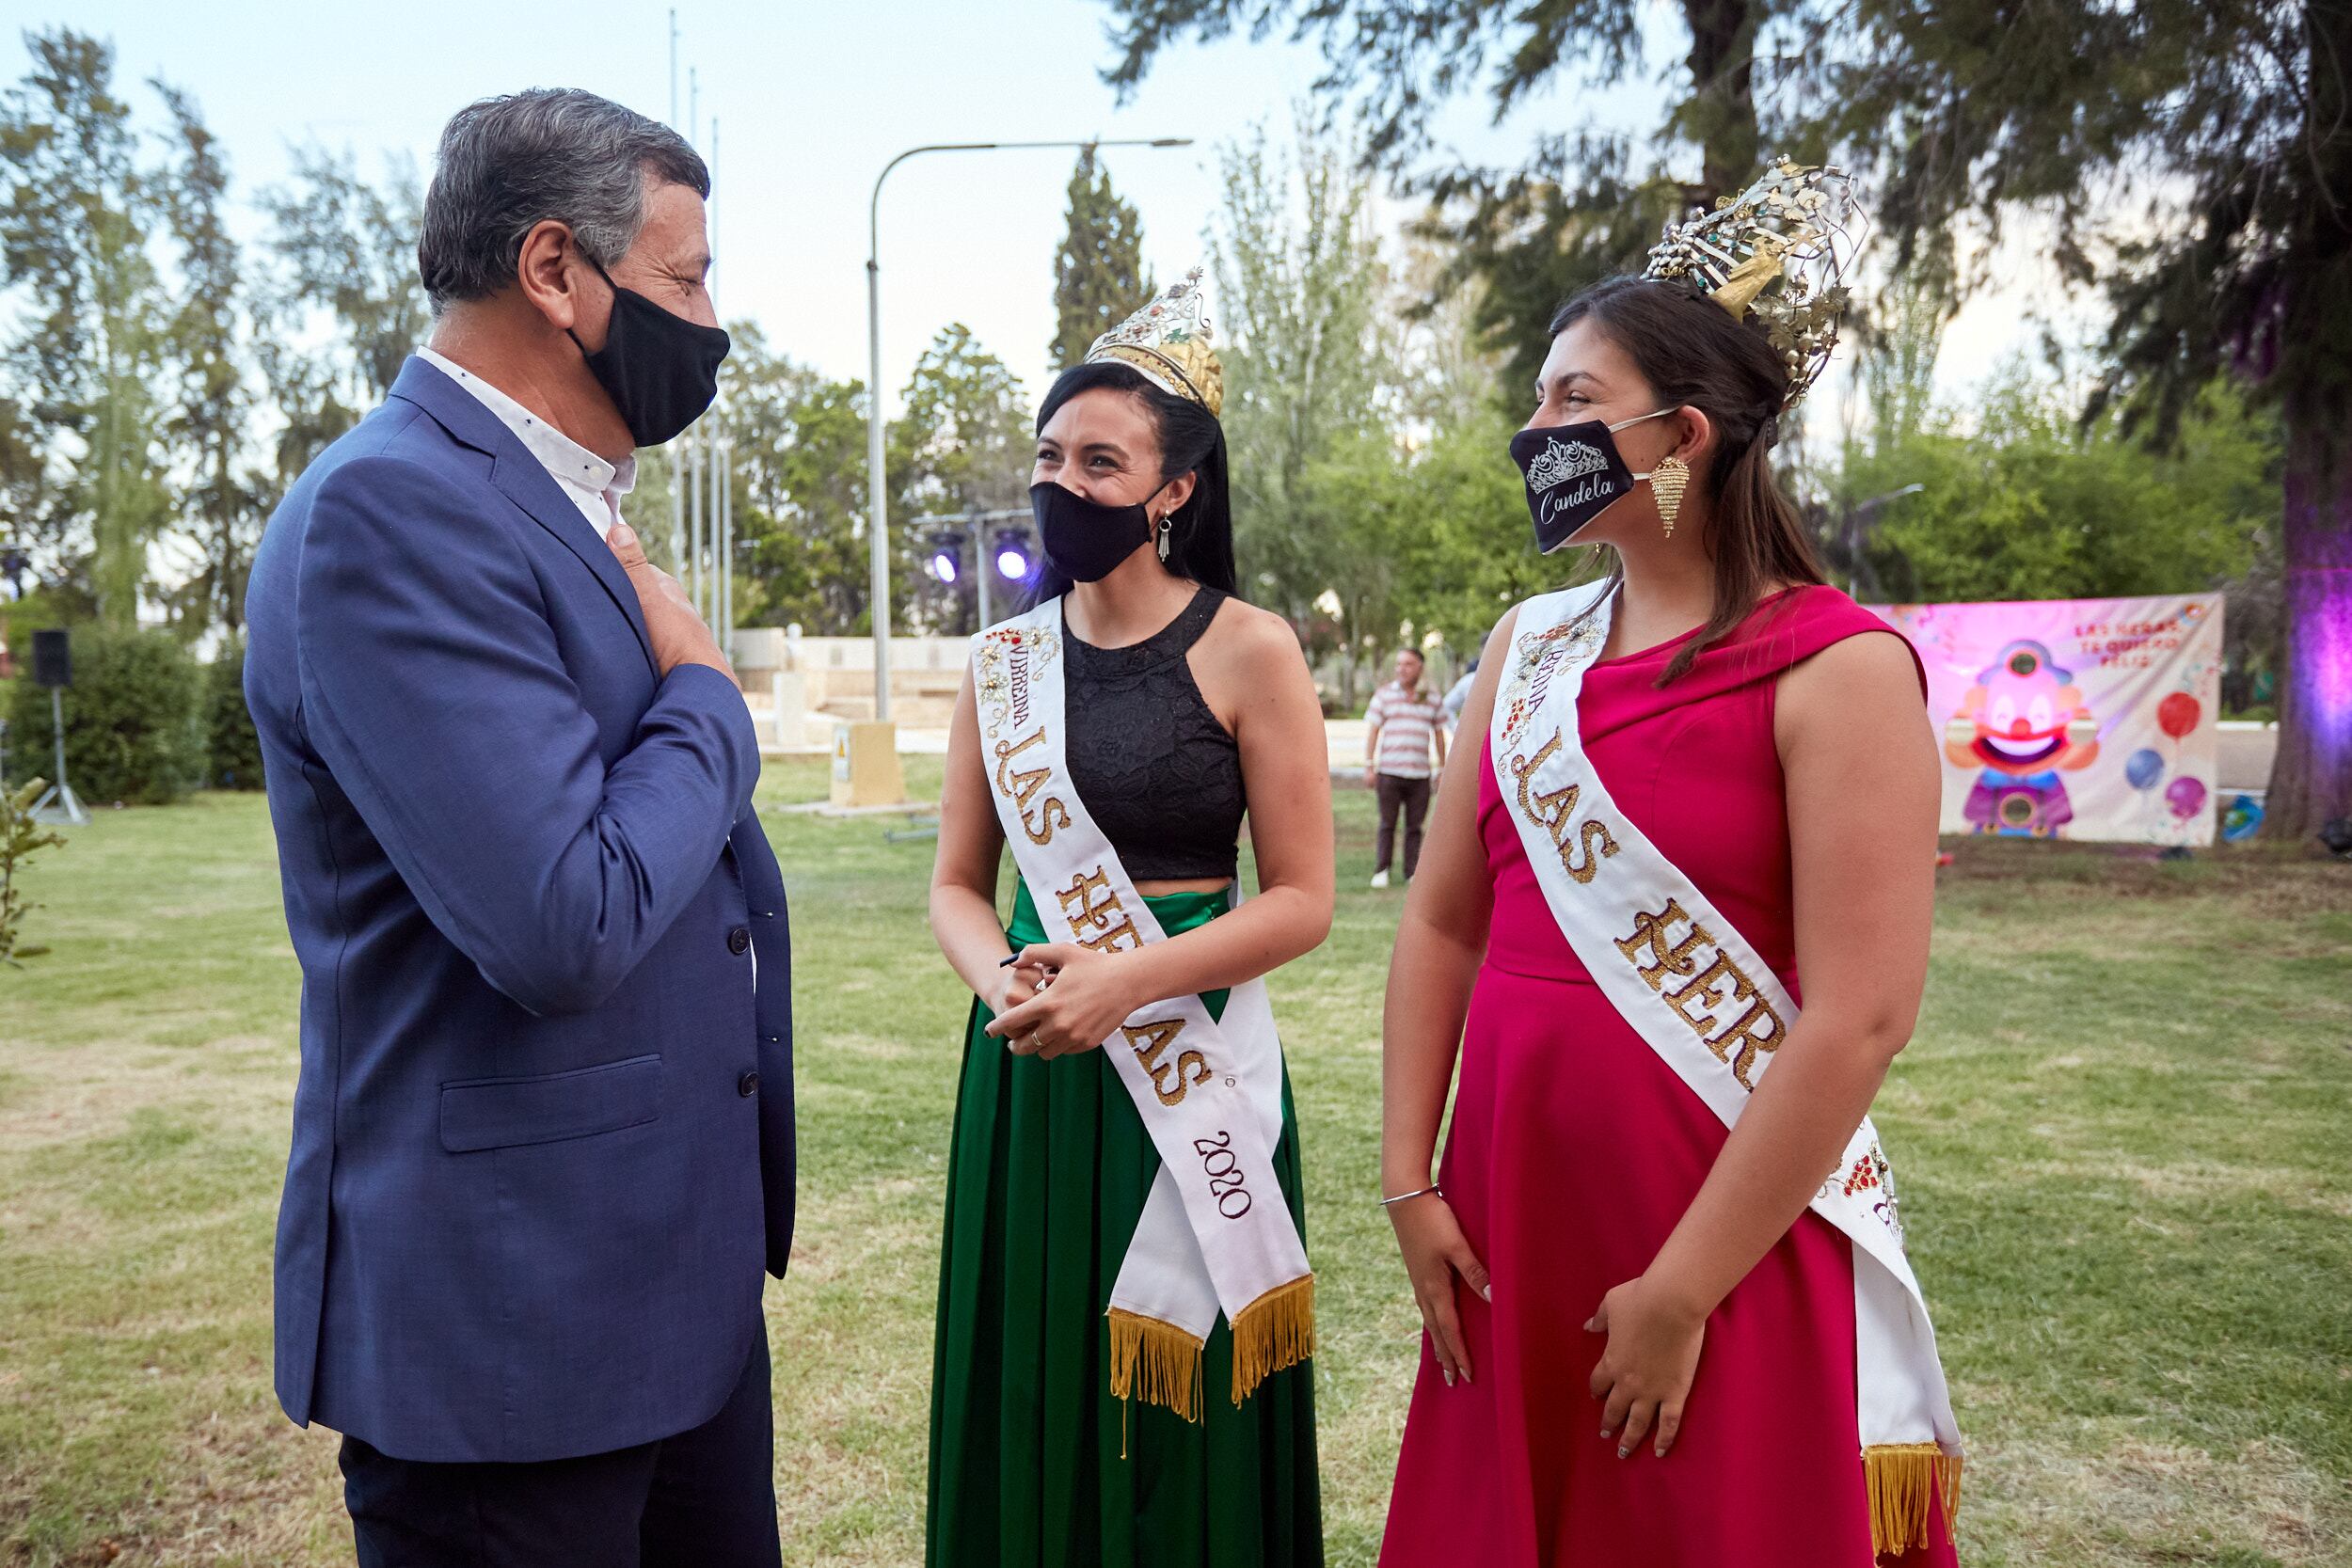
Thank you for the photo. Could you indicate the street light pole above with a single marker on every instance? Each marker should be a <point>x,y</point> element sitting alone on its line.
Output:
<point>877,500</point>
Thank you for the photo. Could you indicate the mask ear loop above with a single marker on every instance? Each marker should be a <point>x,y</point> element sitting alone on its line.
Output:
<point>1639,419</point>
<point>616,307</point>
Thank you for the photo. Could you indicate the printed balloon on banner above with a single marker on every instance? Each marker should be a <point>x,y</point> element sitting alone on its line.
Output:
<point>2178,714</point>
<point>2143,768</point>
<point>2187,797</point>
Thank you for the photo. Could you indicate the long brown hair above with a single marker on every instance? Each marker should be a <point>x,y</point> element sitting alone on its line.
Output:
<point>1694,355</point>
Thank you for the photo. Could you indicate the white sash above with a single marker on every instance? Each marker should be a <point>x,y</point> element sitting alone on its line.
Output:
<point>1215,1232</point>
<point>1701,997</point>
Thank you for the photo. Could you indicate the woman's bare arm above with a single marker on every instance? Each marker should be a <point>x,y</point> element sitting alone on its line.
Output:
<point>963,875</point>
<point>1439,944</point>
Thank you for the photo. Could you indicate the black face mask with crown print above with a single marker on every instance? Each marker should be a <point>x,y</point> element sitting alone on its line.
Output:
<point>1574,473</point>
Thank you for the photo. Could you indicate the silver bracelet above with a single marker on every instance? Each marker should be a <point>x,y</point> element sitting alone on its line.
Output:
<point>1423,1192</point>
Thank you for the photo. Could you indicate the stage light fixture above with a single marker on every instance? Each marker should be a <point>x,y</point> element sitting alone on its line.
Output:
<point>947,559</point>
<point>1012,556</point>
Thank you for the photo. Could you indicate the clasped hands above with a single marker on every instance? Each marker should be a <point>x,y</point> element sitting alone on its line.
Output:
<point>1057,997</point>
<point>1643,1376</point>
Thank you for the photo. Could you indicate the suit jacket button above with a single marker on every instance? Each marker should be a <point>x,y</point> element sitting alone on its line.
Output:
<point>739,939</point>
<point>748,1085</point>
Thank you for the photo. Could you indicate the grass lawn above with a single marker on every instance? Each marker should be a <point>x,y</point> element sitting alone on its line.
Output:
<point>2123,1132</point>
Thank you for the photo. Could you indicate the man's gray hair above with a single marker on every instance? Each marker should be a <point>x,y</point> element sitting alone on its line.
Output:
<point>508,163</point>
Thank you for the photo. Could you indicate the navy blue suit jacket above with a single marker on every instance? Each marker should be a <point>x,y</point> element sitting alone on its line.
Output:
<point>543,1132</point>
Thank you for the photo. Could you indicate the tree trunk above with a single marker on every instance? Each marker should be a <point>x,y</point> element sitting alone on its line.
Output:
<point>1721,117</point>
<point>2311,782</point>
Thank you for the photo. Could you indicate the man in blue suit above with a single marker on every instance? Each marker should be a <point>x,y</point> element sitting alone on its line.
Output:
<point>543,1132</point>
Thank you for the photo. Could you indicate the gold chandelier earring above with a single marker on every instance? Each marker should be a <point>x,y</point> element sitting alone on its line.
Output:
<point>1667,482</point>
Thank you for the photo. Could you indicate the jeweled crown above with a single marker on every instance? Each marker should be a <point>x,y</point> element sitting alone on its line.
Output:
<point>1560,462</point>
<point>1788,228</point>
<point>1168,342</point>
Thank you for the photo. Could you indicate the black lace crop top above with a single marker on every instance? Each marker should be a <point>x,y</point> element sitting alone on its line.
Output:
<point>1157,769</point>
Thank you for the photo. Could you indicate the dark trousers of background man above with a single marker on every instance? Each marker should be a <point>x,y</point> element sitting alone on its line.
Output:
<point>705,1499</point>
<point>1410,797</point>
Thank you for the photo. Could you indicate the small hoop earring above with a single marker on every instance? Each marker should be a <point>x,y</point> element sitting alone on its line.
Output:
<point>1168,529</point>
<point>1667,482</point>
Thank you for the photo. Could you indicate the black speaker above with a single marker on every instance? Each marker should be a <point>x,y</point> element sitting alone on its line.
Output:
<point>53,657</point>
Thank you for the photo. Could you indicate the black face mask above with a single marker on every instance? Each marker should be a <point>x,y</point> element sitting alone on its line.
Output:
<point>1574,473</point>
<point>1086,539</point>
<point>660,369</point>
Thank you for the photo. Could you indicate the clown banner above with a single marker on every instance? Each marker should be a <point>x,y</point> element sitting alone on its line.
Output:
<point>2089,718</point>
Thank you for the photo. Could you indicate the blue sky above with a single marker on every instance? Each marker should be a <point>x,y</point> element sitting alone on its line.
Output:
<point>810,98</point>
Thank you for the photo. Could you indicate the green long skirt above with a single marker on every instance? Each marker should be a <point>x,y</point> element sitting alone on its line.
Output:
<point>1045,1181</point>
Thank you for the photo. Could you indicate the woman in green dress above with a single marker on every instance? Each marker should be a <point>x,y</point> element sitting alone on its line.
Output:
<point>1181,707</point>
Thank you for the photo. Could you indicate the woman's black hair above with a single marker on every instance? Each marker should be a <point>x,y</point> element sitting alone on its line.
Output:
<point>1201,535</point>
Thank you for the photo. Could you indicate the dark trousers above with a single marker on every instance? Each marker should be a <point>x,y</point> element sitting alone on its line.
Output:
<point>705,1499</point>
<point>1411,796</point>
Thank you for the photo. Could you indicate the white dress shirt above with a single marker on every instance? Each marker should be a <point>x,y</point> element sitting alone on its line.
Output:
<point>594,485</point>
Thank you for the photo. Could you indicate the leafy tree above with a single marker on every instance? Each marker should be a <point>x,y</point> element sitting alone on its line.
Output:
<point>1583,205</point>
<point>349,248</point>
<point>24,475</point>
<point>799,489</point>
<point>2232,114</point>
<point>1099,275</point>
<point>2027,502</point>
<point>1445,373</point>
<point>344,250</point>
<point>1299,284</point>
<point>210,424</point>
<point>964,444</point>
<point>1441,531</point>
<point>73,233</point>
<point>2227,114</point>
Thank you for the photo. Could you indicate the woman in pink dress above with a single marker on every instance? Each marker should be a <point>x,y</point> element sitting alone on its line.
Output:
<point>1641,1338</point>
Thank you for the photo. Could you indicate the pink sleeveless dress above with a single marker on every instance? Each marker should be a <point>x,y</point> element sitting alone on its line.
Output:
<point>1575,1151</point>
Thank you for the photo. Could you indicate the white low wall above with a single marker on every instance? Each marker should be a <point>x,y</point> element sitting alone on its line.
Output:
<point>2247,749</point>
<point>825,678</point>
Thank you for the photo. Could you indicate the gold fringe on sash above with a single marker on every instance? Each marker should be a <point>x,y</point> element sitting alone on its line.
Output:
<point>1168,1359</point>
<point>1903,1478</point>
<point>1160,1364</point>
<point>1276,1331</point>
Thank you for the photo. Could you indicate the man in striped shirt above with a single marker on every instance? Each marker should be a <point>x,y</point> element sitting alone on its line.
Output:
<point>1404,725</point>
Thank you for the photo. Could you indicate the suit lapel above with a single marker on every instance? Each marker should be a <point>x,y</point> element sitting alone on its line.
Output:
<point>525,480</point>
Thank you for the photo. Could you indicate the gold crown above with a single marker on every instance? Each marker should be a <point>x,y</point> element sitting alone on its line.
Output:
<point>1788,228</point>
<point>1168,342</point>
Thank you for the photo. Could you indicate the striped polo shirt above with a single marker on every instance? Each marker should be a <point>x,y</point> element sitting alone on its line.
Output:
<point>1409,728</point>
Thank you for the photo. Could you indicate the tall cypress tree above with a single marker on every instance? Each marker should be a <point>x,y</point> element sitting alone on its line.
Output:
<point>1099,278</point>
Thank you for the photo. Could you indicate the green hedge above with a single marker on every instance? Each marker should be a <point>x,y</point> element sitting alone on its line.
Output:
<point>233,749</point>
<point>134,723</point>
